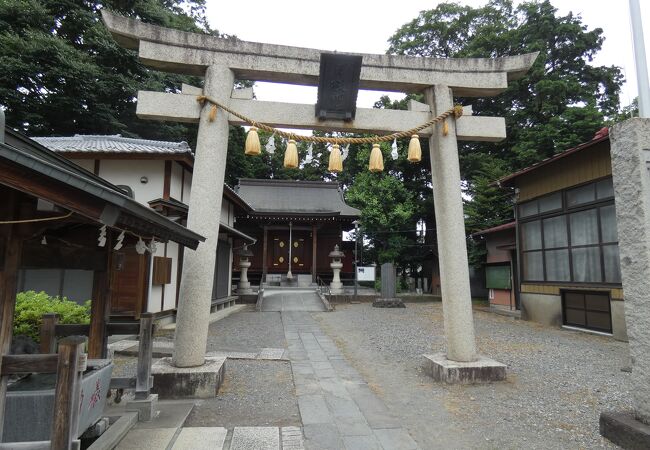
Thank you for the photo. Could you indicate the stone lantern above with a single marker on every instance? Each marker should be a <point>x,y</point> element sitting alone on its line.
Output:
<point>244,264</point>
<point>336,287</point>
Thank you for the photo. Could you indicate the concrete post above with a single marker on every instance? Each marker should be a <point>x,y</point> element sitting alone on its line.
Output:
<point>630,164</point>
<point>450,228</point>
<point>193,315</point>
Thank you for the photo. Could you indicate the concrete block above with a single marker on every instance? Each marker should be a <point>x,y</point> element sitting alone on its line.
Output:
<point>483,370</point>
<point>624,430</point>
<point>188,382</point>
<point>146,439</point>
<point>388,303</point>
<point>146,408</point>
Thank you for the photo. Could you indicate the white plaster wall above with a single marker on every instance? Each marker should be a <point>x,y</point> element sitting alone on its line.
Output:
<point>155,293</point>
<point>88,164</point>
<point>176,184</point>
<point>226,212</point>
<point>129,172</point>
<point>187,188</point>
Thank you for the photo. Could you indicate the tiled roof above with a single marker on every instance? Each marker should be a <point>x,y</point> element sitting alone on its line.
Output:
<point>295,197</point>
<point>112,144</point>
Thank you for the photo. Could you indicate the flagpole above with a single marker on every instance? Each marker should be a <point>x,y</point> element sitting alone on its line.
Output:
<point>640,59</point>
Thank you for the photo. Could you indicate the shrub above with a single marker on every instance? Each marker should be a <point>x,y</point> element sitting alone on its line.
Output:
<point>30,307</point>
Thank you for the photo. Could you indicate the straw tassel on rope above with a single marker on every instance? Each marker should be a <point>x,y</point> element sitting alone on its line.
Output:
<point>291,155</point>
<point>415,151</point>
<point>445,128</point>
<point>376,159</point>
<point>335,162</point>
<point>252,146</point>
<point>213,113</point>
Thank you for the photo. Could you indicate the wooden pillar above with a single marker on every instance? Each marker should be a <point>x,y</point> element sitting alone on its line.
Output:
<point>8,280</point>
<point>48,332</point>
<point>145,353</point>
<point>67,392</point>
<point>265,254</point>
<point>100,306</point>
<point>314,246</point>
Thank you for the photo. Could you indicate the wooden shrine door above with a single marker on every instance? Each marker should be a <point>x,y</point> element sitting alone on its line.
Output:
<point>279,252</point>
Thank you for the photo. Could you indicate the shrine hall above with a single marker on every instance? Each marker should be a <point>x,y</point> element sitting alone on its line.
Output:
<point>296,225</point>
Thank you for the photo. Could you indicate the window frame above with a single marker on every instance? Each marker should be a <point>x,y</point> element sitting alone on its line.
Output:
<point>566,211</point>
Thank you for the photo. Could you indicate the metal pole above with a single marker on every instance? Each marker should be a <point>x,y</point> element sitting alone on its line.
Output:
<point>640,59</point>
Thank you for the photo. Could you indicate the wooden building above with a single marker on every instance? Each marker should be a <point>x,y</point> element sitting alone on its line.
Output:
<point>62,219</point>
<point>157,174</point>
<point>567,240</point>
<point>501,266</point>
<point>296,225</point>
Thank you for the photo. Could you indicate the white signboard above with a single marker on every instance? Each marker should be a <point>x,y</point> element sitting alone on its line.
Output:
<point>366,273</point>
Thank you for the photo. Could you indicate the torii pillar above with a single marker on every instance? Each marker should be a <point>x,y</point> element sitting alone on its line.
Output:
<point>192,318</point>
<point>220,60</point>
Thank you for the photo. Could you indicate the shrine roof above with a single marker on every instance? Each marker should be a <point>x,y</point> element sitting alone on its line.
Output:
<point>287,197</point>
<point>80,143</point>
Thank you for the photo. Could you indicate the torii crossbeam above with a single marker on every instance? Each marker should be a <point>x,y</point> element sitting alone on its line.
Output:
<point>221,61</point>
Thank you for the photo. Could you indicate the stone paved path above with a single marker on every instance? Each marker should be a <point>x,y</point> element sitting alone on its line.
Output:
<point>292,300</point>
<point>337,407</point>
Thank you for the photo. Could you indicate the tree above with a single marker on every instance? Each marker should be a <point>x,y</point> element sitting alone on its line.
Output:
<point>64,74</point>
<point>387,210</point>
<point>562,101</point>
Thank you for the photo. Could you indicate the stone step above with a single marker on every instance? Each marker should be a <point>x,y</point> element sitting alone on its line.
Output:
<point>258,438</point>
<point>200,438</point>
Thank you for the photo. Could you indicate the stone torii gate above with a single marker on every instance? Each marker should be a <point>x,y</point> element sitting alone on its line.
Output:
<point>221,61</point>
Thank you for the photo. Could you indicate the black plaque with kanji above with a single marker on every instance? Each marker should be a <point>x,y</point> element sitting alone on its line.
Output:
<point>338,86</point>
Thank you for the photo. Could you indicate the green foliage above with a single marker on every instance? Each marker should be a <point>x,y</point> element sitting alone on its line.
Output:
<point>30,307</point>
<point>562,101</point>
<point>62,72</point>
<point>387,211</point>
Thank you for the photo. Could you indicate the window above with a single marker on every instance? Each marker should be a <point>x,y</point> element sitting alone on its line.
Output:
<point>572,241</point>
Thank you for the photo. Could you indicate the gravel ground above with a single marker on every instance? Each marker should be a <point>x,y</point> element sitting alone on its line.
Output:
<point>247,332</point>
<point>558,381</point>
<point>254,393</point>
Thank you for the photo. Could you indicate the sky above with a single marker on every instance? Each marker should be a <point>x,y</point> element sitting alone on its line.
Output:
<point>364,26</point>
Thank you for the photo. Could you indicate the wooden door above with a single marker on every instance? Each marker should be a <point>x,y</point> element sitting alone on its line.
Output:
<point>129,283</point>
<point>279,252</point>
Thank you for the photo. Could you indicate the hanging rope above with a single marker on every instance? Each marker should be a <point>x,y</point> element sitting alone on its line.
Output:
<point>456,111</point>
<point>45,219</point>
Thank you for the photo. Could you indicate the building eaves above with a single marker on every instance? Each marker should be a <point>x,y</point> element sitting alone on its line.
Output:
<point>601,136</point>
<point>113,144</point>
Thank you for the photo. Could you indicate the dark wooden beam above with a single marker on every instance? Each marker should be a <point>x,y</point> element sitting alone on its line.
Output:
<point>8,280</point>
<point>265,254</point>
<point>48,333</point>
<point>100,306</point>
<point>167,181</point>
<point>38,363</point>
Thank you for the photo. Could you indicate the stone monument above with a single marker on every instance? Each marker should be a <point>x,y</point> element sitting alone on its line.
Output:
<point>630,150</point>
<point>336,287</point>
<point>220,61</point>
<point>388,297</point>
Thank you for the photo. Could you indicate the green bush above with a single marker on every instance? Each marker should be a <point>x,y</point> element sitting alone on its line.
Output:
<point>30,307</point>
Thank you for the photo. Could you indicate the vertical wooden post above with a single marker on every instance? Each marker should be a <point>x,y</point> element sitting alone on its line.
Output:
<point>67,392</point>
<point>100,305</point>
<point>48,332</point>
<point>265,254</point>
<point>314,245</point>
<point>145,354</point>
<point>8,281</point>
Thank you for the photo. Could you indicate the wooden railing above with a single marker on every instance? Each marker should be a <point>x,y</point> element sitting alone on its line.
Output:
<point>69,365</point>
<point>142,382</point>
